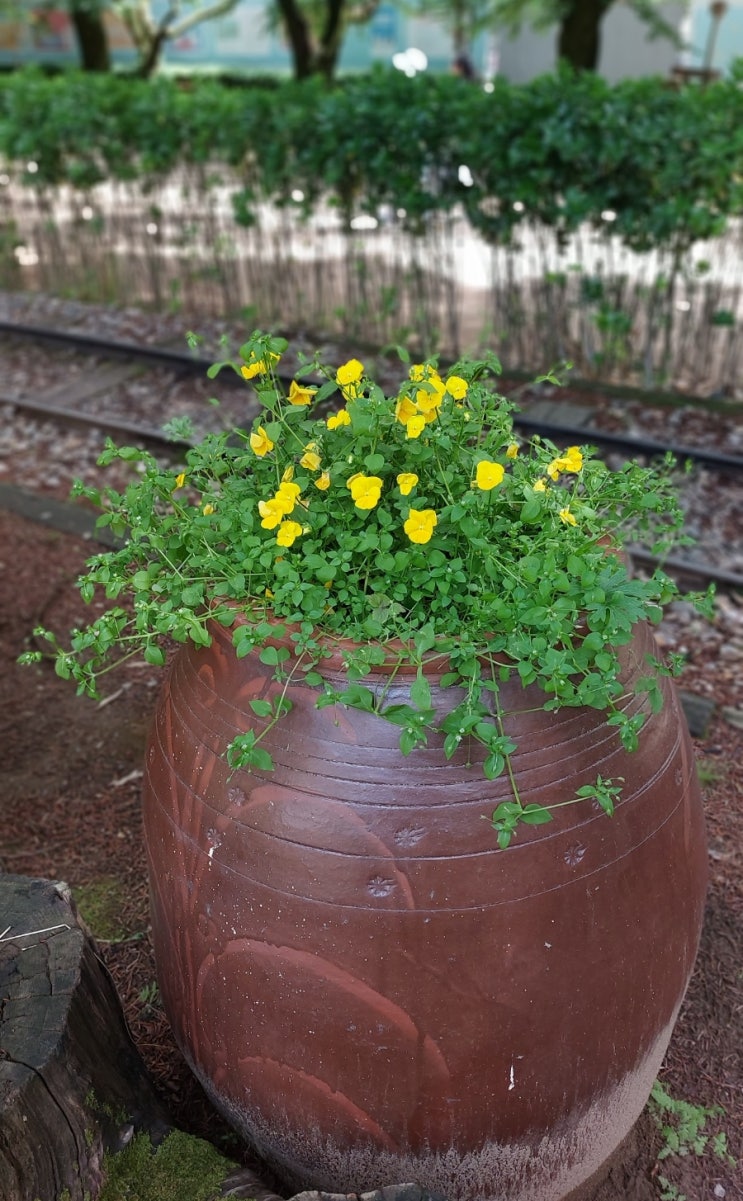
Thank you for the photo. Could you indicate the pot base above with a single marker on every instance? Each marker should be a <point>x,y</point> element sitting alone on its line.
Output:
<point>553,1168</point>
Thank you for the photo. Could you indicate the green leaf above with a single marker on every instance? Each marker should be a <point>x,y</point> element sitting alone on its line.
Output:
<point>261,708</point>
<point>493,765</point>
<point>261,759</point>
<point>271,656</point>
<point>420,692</point>
<point>535,815</point>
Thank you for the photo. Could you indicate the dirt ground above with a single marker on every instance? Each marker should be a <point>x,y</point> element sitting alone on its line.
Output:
<point>69,810</point>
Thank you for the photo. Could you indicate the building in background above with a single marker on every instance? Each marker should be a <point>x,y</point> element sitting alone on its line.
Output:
<point>241,41</point>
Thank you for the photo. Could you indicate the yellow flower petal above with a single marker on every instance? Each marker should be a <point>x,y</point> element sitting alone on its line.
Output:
<point>457,387</point>
<point>405,409</point>
<point>272,513</point>
<point>573,459</point>
<point>406,482</point>
<point>540,486</point>
<point>258,366</point>
<point>567,517</point>
<point>488,474</point>
<point>342,417</point>
<point>288,532</point>
<point>365,490</point>
<point>415,426</point>
<point>180,480</point>
<point>512,450</point>
<point>207,509</point>
<point>311,460</point>
<point>260,442</point>
<point>298,395</point>
<point>323,481</point>
<point>349,373</point>
<point>286,496</point>
<point>420,525</point>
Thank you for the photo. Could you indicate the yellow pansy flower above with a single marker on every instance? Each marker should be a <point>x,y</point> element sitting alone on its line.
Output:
<point>365,490</point>
<point>348,377</point>
<point>260,442</point>
<point>258,366</point>
<point>406,482</point>
<point>567,517</point>
<point>272,512</point>
<point>420,524</point>
<point>428,404</point>
<point>288,475</point>
<point>415,426</point>
<point>573,460</point>
<point>310,459</point>
<point>349,373</point>
<point>207,509</point>
<point>405,409</point>
<point>323,481</point>
<point>512,450</point>
<point>488,474</point>
<point>540,486</point>
<point>424,371</point>
<point>287,495</point>
<point>288,532</point>
<point>299,395</point>
<point>180,480</point>
<point>457,387</point>
<point>342,417</point>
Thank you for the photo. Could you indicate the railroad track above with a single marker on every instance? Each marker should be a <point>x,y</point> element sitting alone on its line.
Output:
<point>94,370</point>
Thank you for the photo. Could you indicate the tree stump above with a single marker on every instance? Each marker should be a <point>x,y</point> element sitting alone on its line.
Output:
<point>72,1084</point>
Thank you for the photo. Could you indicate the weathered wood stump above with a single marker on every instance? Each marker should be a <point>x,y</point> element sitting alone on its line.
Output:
<point>72,1083</point>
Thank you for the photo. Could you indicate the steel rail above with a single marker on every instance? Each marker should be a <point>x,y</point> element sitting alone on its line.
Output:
<point>636,446</point>
<point>557,431</point>
<point>115,426</point>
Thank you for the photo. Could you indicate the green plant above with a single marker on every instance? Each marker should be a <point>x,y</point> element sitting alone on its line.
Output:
<point>683,1127</point>
<point>149,995</point>
<point>100,904</point>
<point>414,530</point>
<point>182,1167</point>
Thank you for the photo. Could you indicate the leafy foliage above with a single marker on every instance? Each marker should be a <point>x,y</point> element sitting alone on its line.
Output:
<point>562,150</point>
<point>415,525</point>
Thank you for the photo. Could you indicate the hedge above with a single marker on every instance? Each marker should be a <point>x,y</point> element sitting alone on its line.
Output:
<point>562,150</point>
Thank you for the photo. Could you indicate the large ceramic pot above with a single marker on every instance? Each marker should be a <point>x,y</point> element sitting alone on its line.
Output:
<point>366,986</point>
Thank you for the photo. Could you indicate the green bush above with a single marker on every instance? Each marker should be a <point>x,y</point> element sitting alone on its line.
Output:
<point>562,149</point>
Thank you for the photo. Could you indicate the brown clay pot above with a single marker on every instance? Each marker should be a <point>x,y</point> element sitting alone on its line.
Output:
<point>366,986</point>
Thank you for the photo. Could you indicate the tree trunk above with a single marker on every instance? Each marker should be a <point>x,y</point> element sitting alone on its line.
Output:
<point>579,39</point>
<point>72,1084</point>
<point>91,38</point>
<point>300,38</point>
<point>150,60</point>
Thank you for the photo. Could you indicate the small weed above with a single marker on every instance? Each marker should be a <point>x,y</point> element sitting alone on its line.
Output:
<point>709,773</point>
<point>149,995</point>
<point>684,1130</point>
